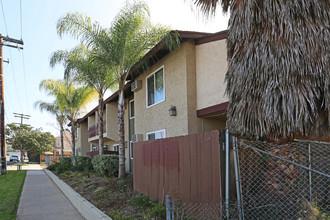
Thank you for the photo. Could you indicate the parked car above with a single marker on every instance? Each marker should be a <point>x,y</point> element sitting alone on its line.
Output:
<point>14,158</point>
<point>26,159</point>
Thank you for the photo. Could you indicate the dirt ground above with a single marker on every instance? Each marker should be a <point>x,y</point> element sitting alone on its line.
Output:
<point>112,196</point>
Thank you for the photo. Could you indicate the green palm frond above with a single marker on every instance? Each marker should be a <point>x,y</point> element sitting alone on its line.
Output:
<point>79,26</point>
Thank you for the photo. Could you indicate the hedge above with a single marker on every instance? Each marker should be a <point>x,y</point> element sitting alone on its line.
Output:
<point>83,163</point>
<point>106,165</point>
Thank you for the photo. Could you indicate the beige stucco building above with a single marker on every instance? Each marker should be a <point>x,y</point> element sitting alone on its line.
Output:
<point>182,92</point>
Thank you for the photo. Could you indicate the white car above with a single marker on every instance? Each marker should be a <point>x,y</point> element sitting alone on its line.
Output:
<point>14,158</point>
<point>26,159</point>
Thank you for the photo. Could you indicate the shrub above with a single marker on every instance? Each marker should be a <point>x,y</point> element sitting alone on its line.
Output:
<point>62,167</point>
<point>83,163</point>
<point>52,167</point>
<point>106,165</point>
<point>151,209</point>
<point>65,160</point>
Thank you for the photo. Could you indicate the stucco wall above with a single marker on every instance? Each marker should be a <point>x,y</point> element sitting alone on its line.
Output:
<point>112,121</point>
<point>194,123</point>
<point>176,65</point>
<point>91,120</point>
<point>83,138</point>
<point>211,68</point>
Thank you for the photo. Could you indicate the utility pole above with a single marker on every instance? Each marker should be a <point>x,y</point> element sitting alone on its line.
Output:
<point>3,169</point>
<point>22,116</point>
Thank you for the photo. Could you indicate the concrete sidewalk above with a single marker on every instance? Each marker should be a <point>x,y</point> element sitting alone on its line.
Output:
<point>25,167</point>
<point>41,199</point>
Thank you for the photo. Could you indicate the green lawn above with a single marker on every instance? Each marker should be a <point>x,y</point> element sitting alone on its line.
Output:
<point>11,186</point>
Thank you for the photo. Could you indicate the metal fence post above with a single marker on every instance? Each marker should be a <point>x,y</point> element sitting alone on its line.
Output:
<point>168,207</point>
<point>310,173</point>
<point>238,179</point>
<point>227,173</point>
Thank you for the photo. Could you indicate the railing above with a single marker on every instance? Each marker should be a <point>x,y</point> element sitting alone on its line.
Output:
<point>94,130</point>
<point>94,153</point>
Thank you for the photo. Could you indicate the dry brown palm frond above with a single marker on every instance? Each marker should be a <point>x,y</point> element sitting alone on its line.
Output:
<point>209,6</point>
<point>278,81</point>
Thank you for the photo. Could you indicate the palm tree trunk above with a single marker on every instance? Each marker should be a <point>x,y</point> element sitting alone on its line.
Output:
<point>73,135</point>
<point>100,122</point>
<point>62,139</point>
<point>280,176</point>
<point>121,130</point>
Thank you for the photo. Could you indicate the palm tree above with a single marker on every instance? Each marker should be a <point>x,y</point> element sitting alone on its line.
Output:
<point>72,98</point>
<point>56,110</point>
<point>77,99</point>
<point>278,79</point>
<point>80,66</point>
<point>130,37</point>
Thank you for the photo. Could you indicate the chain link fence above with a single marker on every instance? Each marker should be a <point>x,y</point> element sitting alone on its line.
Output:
<point>273,181</point>
<point>179,210</point>
<point>283,181</point>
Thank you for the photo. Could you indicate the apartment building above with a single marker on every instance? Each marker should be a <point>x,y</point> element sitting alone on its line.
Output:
<point>181,93</point>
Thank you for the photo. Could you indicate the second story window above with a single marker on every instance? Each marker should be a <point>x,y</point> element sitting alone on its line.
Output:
<point>131,109</point>
<point>155,87</point>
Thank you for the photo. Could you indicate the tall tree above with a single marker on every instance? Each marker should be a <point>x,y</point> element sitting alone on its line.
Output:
<point>278,81</point>
<point>24,138</point>
<point>80,66</point>
<point>130,37</point>
<point>74,98</point>
<point>58,112</point>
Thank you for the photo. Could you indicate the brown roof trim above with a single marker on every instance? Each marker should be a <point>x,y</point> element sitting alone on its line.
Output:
<point>159,51</point>
<point>213,37</point>
<point>212,109</point>
<point>127,89</point>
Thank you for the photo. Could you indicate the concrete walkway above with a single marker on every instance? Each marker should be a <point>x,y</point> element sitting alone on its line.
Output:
<point>42,199</point>
<point>25,167</point>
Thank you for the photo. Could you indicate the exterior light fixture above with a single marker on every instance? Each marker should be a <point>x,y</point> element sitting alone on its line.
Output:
<point>172,110</point>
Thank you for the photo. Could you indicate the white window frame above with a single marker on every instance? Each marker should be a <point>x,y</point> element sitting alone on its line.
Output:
<point>153,73</point>
<point>130,150</point>
<point>115,145</point>
<point>130,111</point>
<point>153,132</point>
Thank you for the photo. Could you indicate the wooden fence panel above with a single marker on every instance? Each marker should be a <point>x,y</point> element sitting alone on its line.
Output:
<point>186,167</point>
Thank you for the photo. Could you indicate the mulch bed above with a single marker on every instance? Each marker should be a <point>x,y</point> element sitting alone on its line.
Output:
<point>107,194</point>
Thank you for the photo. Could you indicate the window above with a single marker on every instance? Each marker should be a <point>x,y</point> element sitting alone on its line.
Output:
<point>131,109</point>
<point>94,148</point>
<point>156,135</point>
<point>59,143</point>
<point>116,147</point>
<point>105,148</point>
<point>155,88</point>
<point>131,149</point>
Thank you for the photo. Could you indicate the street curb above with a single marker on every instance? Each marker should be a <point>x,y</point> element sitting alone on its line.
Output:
<point>86,209</point>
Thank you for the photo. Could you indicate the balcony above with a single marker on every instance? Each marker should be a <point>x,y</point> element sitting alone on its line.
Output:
<point>94,130</point>
<point>94,153</point>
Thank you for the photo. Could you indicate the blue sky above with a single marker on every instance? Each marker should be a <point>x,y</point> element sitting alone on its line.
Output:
<point>29,66</point>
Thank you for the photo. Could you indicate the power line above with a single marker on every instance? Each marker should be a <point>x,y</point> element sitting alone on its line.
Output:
<point>14,75</point>
<point>4,18</point>
<point>26,91</point>
<point>20,5</point>
<point>7,119</point>
<point>21,116</point>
